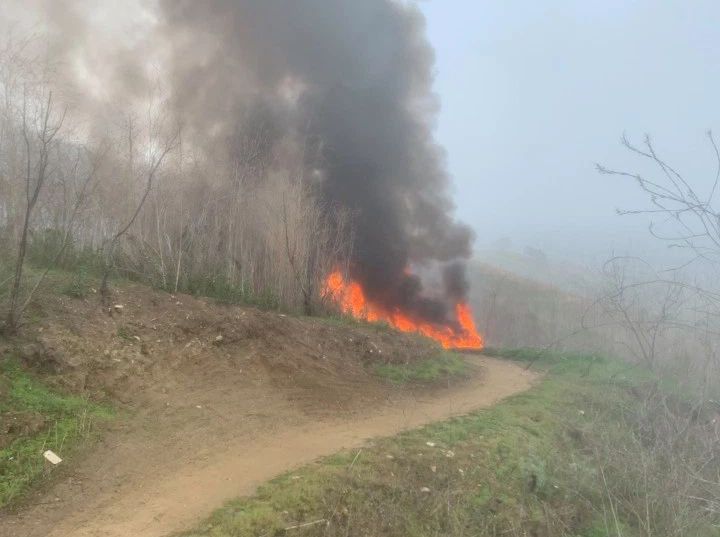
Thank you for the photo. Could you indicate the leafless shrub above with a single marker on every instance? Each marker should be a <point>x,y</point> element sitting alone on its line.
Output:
<point>681,215</point>
<point>665,476</point>
<point>658,468</point>
<point>240,221</point>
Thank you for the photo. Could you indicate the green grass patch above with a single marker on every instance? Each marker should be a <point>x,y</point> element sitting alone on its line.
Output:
<point>226,292</point>
<point>345,321</point>
<point>523,467</point>
<point>34,418</point>
<point>442,367</point>
<point>78,286</point>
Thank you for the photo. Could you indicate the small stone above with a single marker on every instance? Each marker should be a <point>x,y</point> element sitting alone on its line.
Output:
<point>424,489</point>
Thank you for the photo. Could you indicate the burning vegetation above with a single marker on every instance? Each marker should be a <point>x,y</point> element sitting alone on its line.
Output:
<point>351,298</point>
<point>238,149</point>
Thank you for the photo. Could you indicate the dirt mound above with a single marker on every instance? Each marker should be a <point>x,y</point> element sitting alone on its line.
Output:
<point>146,342</point>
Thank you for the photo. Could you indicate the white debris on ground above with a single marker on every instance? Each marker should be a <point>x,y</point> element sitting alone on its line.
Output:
<point>52,457</point>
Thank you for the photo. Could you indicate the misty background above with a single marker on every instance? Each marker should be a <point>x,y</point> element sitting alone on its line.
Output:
<point>531,95</point>
<point>535,93</point>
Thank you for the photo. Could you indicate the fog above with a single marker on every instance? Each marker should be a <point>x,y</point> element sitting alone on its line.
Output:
<point>531,95</point>
<point>535,93</point>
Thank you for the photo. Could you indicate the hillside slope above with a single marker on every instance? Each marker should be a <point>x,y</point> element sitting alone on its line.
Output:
<point>215,399</point>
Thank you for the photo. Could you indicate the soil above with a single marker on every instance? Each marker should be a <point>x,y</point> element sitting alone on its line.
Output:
<point>214,400</point>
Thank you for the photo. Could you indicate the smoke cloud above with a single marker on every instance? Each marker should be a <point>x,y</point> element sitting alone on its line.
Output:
<point>362,72</point>
<point>350,81</point>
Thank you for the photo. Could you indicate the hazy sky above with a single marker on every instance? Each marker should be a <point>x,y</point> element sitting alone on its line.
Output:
<point>534,92</point>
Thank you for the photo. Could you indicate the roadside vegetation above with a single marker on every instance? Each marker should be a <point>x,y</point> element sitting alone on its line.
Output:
<point>444,366</point>
<point>578,455</point>
<point>35,418</point>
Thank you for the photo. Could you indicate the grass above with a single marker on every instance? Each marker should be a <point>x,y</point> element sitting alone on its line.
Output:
<point>523,467</point>
<point>441,367</point>
<point>37,418</point>
<point>343,321</point>
<point>81,269</point>
<point>78,286</point>
<point>220,289</point>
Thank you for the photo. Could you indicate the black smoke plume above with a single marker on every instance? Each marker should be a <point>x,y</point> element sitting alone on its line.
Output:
<point>363,73</point>
<point>350,79</point>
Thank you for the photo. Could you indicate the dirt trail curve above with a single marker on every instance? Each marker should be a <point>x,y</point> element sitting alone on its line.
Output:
<point>144,482</point>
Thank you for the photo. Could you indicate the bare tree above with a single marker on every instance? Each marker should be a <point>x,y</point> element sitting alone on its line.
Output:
<point>209,218</point>
<point>673,324</point>
<point>95,161</point>
<point>165,145</point>
<point>693,218</point>
<point>39,129</point>
<point>643,305</point>
<point>684,218</point>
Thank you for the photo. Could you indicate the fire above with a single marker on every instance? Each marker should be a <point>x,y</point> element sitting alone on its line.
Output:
<point>350,296</point>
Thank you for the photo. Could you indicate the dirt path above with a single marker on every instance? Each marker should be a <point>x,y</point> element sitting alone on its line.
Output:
<point>147,482</point>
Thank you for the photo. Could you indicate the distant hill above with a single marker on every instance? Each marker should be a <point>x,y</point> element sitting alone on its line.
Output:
<point>533,264</point>
<point>524,300</point>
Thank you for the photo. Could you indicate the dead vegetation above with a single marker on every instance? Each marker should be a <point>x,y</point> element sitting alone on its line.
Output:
<point>123,195</point>
<point>654,451</point>
<point>122,350</point>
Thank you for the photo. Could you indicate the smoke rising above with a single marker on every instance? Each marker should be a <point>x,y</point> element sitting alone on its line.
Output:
<point>362,72</point>
<point>350,81</point>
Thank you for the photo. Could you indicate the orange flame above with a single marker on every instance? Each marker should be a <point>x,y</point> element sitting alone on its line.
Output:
<point>351,299</point>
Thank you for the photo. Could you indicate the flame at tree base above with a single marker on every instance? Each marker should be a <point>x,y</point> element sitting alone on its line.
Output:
<point>351,299</point>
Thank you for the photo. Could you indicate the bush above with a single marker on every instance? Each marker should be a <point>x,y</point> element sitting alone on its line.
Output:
<point>78,286</point>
